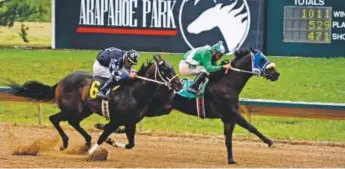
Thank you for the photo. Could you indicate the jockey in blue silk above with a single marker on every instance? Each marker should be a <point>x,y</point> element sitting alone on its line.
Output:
<point>115,65</point>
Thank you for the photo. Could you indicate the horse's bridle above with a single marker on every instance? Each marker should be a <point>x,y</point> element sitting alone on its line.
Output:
<point>258,72</point>
<point>165,81</point>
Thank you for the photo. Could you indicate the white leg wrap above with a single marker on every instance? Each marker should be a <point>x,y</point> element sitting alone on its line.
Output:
<point>121,145</point>
<point>93,148</point>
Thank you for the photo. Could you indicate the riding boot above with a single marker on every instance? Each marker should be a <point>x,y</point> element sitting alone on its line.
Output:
<point>103,92</point>
<point>194,88</point>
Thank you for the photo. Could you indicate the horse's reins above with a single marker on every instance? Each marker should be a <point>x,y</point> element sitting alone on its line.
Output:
<point>241,70</point>
<point>151,80</point>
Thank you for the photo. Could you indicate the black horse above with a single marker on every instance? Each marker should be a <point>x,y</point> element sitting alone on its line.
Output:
<point>221,96</point>
<point>127,105</point>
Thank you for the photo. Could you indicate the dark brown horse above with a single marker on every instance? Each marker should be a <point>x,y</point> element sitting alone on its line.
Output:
<point>75,93</point>
<point>221,96</point>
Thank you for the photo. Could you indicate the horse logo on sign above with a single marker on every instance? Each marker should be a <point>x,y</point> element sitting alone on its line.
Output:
<point>215,19</point>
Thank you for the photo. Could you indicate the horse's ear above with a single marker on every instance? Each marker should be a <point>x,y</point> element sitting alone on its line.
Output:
<point>252,50</point>
<point>155,57</point>
<point>237,53</point>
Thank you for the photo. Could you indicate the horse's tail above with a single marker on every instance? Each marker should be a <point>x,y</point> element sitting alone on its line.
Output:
<point>34,90</point>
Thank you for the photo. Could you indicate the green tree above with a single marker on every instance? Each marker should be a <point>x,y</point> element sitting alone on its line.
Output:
<point>22,10</point>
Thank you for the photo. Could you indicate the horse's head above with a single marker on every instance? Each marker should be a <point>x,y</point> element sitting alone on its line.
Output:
<point>162,71</point>
<point>255,62</point>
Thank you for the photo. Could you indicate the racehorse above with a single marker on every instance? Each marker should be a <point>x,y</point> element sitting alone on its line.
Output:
<point>75,93</point>
<point>221,96</point>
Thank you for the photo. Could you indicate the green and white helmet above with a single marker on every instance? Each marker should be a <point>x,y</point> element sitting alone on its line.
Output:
<point>219,48</point>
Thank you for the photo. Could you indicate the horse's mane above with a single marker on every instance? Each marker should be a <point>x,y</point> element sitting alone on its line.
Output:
<point>141,72</point>
<point>238,55</point>
<point>144,67</point>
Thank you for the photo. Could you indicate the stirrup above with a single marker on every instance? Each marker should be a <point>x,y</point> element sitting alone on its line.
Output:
<point>191,90</point>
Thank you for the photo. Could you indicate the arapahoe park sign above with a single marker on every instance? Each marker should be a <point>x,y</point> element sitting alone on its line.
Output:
<point>158,25</point>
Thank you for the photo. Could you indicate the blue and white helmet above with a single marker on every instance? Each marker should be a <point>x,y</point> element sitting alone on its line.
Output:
<point>133,56</point>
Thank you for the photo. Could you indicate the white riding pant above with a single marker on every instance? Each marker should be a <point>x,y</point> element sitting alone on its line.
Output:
<point>100,71</point>
<point>185,69</point>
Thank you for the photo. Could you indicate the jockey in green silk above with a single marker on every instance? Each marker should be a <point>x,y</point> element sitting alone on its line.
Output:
<point>201,61</point>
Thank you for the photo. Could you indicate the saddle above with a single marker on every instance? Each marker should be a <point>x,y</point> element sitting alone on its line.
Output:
<point>199,97</point>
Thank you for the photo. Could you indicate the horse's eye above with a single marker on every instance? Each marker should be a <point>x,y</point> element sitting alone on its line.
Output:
<point>262,61</point>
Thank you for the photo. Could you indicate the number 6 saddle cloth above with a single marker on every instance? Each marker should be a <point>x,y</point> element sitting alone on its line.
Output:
<point>100,106</point>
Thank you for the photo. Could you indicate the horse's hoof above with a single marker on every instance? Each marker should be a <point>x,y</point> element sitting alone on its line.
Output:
<point>64,143</point>
<point>99,126</point>
<point>85,148</point>
<point>62,148</point>
<point>88,144</point>
<point>129,146</point>
<point>232,161</point>
<point>269,143</point>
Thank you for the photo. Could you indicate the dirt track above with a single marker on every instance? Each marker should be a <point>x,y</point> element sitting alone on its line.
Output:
<point>163,151</point>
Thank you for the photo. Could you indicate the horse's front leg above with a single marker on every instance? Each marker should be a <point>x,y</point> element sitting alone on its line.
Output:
<point>102,126</point>
<point>245,124</point>
<point>228,130</point>
<point>130,133</point>
<point>108,129</point>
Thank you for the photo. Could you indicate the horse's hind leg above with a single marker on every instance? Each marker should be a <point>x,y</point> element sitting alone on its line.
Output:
<point>55,120</point>
<point>76,125</point>
<point>245,124</point>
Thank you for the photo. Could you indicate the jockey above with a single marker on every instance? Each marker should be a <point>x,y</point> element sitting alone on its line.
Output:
<point>114,64</point>
<point>201,61</point>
